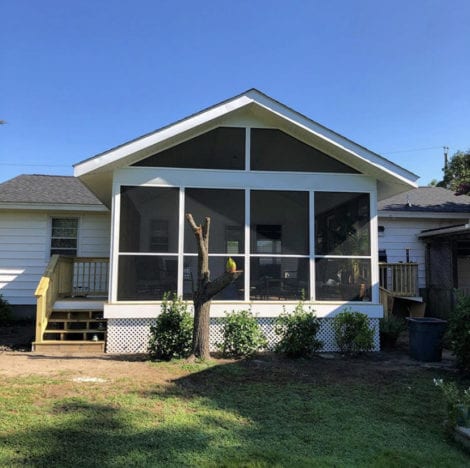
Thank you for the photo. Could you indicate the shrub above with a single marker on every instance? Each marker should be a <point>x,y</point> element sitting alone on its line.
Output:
<point>457,402</point>
<point>242,335</point>
<point>458,332</point>
<point>171,336</point>
<point>298,332</point>
<point>352,332</point>
<point>5,311</point>
<point>390,328</point>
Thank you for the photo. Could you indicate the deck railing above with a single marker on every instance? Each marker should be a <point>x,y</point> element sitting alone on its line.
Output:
<point>69,277</point>
<point>401,279</point>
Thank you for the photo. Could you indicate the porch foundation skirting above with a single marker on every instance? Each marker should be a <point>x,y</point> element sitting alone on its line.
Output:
<point>131,335</point>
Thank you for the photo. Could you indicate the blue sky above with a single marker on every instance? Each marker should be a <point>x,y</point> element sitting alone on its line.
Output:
<point>79,77</point>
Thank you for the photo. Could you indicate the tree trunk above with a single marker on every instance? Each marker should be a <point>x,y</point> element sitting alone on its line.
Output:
<point>206,289</point>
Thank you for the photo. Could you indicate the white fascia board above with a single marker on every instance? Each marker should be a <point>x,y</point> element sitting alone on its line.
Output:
<point>422,215</point>
<point>53,207</point>
<point>114,156</point>
<point>439,232</point>
<point>336,139</point>
<point>151,310</point>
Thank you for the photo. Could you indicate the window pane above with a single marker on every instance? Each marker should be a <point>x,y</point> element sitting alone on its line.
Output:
<point>221,148</point>
<point>64,236</point>
<point>274,150</point>
<point>342,223</point>
<point>279,278</point>
<point>145,278</point>
<point>64,243</point>
<point>234,291</point>
<point>342,279</point>
<point>226,208</point>
<point>279,222</point>
<point>149,219</point>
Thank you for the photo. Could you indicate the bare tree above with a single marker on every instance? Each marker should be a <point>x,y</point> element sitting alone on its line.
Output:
<point>206,289</point>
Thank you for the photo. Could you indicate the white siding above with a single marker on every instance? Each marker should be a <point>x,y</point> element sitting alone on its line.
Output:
<point>402,234</point>
<point>25,245</point>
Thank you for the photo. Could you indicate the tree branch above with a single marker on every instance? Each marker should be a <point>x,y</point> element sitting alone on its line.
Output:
<point>221,282</point>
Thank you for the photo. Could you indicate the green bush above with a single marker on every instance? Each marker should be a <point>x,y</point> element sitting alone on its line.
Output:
<point>390,329</point>
<point>457,403</point>
<point>352,332</point>
<point>171,336</point>
<point>242,335</point>
<point>298,332</point>
<point>458,332</point>
<point>5,311</point>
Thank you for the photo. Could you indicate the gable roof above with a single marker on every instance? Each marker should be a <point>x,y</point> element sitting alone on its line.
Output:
<point>430,200</point>
<point>96,172</point>
<point>35,191</point>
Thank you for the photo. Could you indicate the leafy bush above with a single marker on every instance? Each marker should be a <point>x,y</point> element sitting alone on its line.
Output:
<point>5,311</point>
<point>457,402</point>
<point>171,336</point>
<point>390,328</point>
<point>242,335</point>
<point>352,332</point>
<point>298,332</point>
<point>458,332</point>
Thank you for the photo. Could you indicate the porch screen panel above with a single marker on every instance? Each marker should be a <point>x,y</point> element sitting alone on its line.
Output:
<point>274,150</point>
<point>221,148</point>
<point>146,278</point>
<point>226,208</point>
<point>279,244</point>
<point>217,264</point>
<point>148,243</point>
<point>149,219</point>
<point>342,246</point>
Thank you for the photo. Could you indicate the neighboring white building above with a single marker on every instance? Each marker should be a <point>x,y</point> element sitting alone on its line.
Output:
<point>404,217</point>
<point>40,215</point>
<point>294,203</point>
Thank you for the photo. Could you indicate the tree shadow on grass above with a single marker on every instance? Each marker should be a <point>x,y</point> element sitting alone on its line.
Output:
<point>246,413</point>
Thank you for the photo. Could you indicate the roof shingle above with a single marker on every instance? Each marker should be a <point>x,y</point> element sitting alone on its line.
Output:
<point>427,199</point>
<point>36,189</point>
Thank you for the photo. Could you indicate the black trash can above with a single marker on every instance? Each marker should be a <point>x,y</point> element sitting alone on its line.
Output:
<point>426,338</point>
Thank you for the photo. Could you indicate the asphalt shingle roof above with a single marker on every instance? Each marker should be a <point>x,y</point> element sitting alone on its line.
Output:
<point>427,199</point>
<point>46,189</point>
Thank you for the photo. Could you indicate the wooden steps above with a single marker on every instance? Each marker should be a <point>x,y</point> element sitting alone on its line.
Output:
<point>69,347</point>
<point>73,331</point>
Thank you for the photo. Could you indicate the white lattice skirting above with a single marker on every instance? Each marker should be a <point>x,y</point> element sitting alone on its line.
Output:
<point>132,335</point>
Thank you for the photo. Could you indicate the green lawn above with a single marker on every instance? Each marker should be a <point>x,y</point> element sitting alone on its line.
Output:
<point>272,412</point>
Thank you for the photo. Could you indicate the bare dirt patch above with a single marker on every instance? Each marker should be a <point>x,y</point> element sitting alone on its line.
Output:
<point>15,360</point>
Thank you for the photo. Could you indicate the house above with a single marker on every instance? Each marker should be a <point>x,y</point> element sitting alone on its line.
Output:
<point>424,233</point>
<point>42,215</point>
<point>292,202</point>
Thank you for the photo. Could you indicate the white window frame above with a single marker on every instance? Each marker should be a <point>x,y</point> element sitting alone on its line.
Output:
<point>51,221</point>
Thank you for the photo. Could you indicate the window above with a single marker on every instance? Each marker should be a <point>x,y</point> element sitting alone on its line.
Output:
<point>159,235</point>
<point>64,236</point>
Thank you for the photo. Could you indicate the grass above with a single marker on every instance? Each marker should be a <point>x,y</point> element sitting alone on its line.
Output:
<point>246,413</point>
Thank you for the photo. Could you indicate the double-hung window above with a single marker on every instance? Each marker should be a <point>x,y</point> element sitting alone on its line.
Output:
<point>64,236</point>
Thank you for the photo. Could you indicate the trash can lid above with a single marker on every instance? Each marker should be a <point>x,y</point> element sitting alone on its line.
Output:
<point>425,320</point>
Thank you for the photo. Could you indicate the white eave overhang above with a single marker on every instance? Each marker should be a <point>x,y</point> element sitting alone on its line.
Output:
<point>96,172</point>
<point>445,232</point>
<point>398,214</point>
<point>53,207</point>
